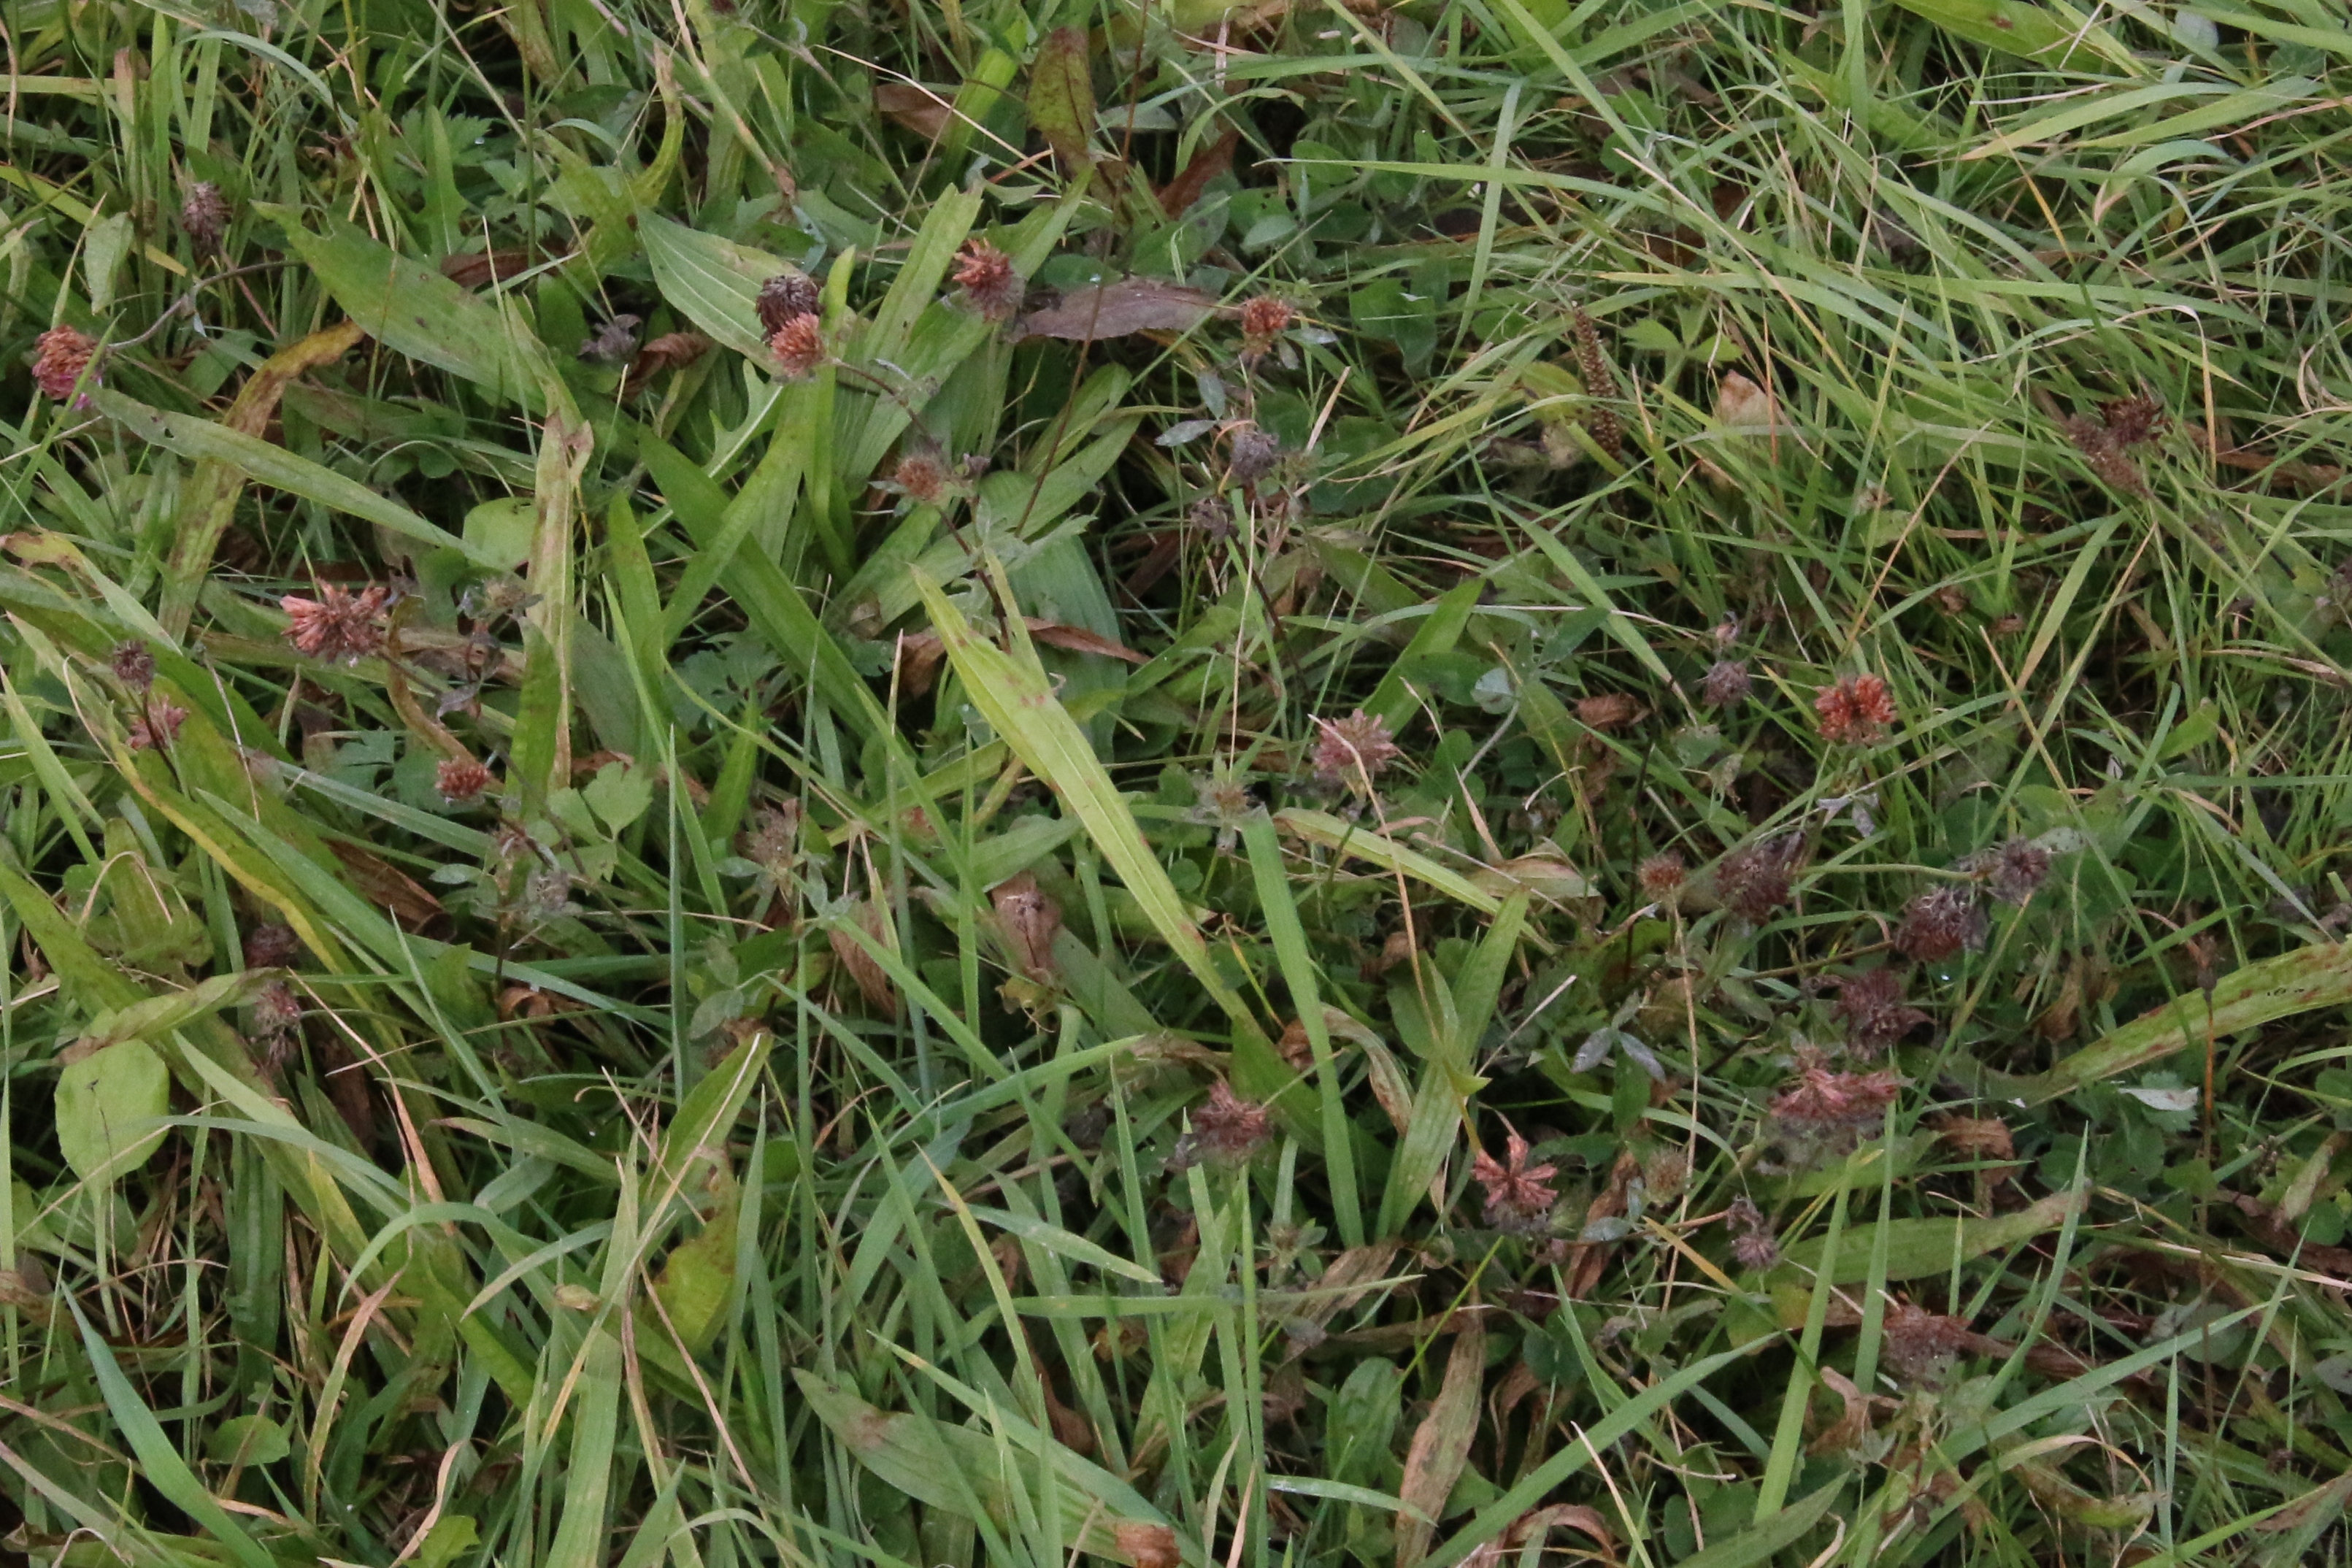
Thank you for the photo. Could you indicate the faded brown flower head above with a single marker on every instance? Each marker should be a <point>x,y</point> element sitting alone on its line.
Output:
<point>1825,1101</point>
<point>270,946</point>
<point>1661,878</point>
<point>204,215</point>
<point>1919,1346</point>
<point>789,294</point>
<point>1226,1131</point>
<point>1754,881</point>
<point>1223,802</point>
<point>1939,922</point>
<point>1609,710</point>
<point>1253,456</point>
<point>2012,872</point>
<point>460,779</point>
<point>157,727</point>
<point>1600,386</point>
<point>1870,1006</point>
<point>873,982</point>
<point>1855,711</point>
<point>1263,319</point>
<point>613,342</point>
<point>1752,1241</point>
<point>773,840</point>
<point>278,1019</point>
<point>1029,922</point>
<point>337,627</point>
<point>1353,751</point>
<point>921,478</point>
<point>1520,1196</point>
<point>132,665</point>
<point>64,354</point>
<point>1725,683</point>
<point>990,285</point>
<point>2135,420</point>
<point>798,345</point>
<point>2104,453</point>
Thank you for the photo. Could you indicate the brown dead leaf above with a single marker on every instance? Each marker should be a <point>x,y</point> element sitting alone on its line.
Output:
<point>872,981</point>
<point>1441,1447</point>
<point>387,886</point>
<point>1741,404</point>
<point>1123,305</point>
<point>1541,1521</point>
<point>1177,195</point>
<point>1851,1429</point>
<point>474,268</point>
<point>925,111</point>
<point>1144,1545</point>
<point>1029,922</point>
<point>671,350</point>
<point>1078,640</point>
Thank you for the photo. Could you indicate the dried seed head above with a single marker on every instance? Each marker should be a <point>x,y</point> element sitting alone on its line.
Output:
<point>1872,1008</point>
<point>921,478</point>
<point>547,894</point>
<point>460,779</point>
<point>1940,922</point>
<point>132,665</point>
<point>204,215</point>
<point>1253,455</point>
<point>1976,1137</point>
<point>1752,1241</point>
<point>157,727</point>
<point>270,946</point>
<point>1227,1131</point>
<point>788,294</point>
<point>773,840</point>
<point>991,287</point>
<point>1823,1101</point>
<point>1520,1196</point>
<point>2135,420</point>
<point>2014,871</point>
<point>1661,878</point>
<point>337,627</point>
<point>1600,386</point>
<point>64,354</point>
<point>1354,749</point>
<point>1223,802</point>
<point>276,1010</point>
<point>613,342</point>
<point>1855,711</point>
<point>1264,320</point>
<point>1725,683</point>
<point>2104,453</point>
<point>1754,881</point>
<point>1609,710</point>
<point>798,345</point>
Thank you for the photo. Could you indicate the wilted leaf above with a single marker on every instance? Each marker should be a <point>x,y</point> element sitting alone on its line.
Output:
<point>1177,195</point>
<point>1062,101</point>
<point>671,350</point>
<point>1441,1447</point>
<point>473,268</point>
<point>1125,305</point>
<point>1741,404</point>
<point>926,110</point>
<point>106,1103</point>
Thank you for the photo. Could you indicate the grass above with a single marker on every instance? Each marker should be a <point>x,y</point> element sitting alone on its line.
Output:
<point>1570,784</point>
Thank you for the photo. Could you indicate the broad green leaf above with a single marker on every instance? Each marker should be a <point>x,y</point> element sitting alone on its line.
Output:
<point>410,307</point>
<point>107,1104</point>
<point>1928,1248</point>
<point>1760,1542</point>
<point>1062,99</point>
<point>2015,27</point>
<point>1349,838</point>
<point>2304,980</point>
<point>247,1440</point>
<point>274,466</point>
<point>160,1015</point>
<point>715,281</point>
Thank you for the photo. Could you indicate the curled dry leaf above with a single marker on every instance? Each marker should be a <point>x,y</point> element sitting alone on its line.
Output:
<point>1121,306</point>
<point>671,350</point>
<point>871,980</point>
<point>1144,1545</point>
<point>1029,922</point>
<point>925,111</point>
<point>1177,197</point>
<point>1741,404</point>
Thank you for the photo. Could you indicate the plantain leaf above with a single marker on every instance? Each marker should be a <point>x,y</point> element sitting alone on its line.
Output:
<point>1062,100</point>
<point>107,1104</point>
